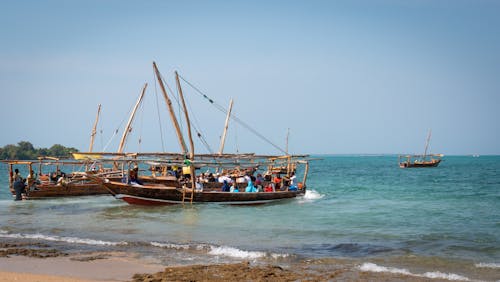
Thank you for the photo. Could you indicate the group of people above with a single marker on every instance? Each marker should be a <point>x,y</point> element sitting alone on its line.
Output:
<point>257,183</point>
<point>20,184</point>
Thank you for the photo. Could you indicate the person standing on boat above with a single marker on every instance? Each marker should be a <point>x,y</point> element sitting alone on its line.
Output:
<point>293,182</point>
<point>17,175</point>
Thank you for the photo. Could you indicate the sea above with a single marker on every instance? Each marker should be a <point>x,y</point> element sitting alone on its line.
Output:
<point>441,222</point>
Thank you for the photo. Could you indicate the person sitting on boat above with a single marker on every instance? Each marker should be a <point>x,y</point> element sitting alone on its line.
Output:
<point>225,187</point>
<point>234,188</point>
<point>225,177</point>
<point>133,176</point>
<point>269,188</point>
<point>199,185</point>
<point>31,180</point>
<point>250,187</point>
<point>277,182</point>
<point>61,181</point>
<point>247,177</point>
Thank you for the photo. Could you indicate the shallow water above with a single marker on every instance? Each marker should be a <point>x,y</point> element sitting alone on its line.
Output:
<point>359,207</point>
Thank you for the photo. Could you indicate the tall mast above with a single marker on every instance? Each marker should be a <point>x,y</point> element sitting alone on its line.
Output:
<point>128,128</point>
<point>191,143</point>
<point>226,125</point>
<point>170,110</point>
<point>94,129</point>
<point>287,135</point>
<point>427,143</point>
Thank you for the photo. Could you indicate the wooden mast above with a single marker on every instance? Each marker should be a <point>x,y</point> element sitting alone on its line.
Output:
<point>191,143</point>
<point>226,125</point>
<point>94,128</point>
<point>287,135</point>
<point>427,143</point>
<point>170,110</point>
<point>128,128</point>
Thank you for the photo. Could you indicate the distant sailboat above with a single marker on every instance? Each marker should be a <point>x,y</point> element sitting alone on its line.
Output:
<point>425,160</point>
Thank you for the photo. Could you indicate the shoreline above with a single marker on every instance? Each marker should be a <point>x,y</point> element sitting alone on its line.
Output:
<point>120,266</point>
<point>22,260</point>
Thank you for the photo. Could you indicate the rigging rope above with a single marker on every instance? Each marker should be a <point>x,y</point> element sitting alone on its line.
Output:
<point>233,116</point>
<point>196,126</point>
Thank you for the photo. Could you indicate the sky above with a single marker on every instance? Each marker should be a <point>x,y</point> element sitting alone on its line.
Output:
<point>342,77</point>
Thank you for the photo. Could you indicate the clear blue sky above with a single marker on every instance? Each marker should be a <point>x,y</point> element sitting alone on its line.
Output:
<point>344,76</point>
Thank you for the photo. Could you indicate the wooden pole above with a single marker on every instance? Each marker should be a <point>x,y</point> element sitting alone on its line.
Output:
<point>226,125</point>
<point>128,128</point>
<point>94,128</point>
<point>186,115</point>
<point>305,174</point>
<point>170,110</point>
<point>287,135</point>
<point>191,143</point>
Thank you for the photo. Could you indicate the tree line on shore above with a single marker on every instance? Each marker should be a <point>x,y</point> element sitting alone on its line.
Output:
<point>24,150</point>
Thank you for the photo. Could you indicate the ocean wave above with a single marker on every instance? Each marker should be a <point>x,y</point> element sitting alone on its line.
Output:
<point>75,240</point>
<point>371,267</point>
<point>242,254</point>
<point>312,195</point>
<point>234,252</point>
<point>487,265</point>
<point>170,246</point>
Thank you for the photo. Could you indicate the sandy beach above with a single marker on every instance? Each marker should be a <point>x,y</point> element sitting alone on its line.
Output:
<point>114,266</point>
<point>88,267</point>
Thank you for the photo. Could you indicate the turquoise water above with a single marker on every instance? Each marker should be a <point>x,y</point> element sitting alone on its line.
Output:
<point>359,207</point>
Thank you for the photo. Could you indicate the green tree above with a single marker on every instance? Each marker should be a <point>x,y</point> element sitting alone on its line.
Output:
<point>26,151</point>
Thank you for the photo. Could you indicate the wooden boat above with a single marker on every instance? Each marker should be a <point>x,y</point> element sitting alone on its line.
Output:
<point>420,161</point>
<point>162,194</point>
<point>167,191</point>
<point>425,160</point>
<point>51,181</point>
<point>54,182</point>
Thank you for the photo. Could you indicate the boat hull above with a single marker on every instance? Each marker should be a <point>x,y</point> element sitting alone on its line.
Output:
<point>168,195</point>
<point>433,163</point>
<point>75,190</point>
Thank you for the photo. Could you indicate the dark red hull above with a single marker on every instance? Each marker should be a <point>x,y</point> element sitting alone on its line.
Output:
<point>158,194</point>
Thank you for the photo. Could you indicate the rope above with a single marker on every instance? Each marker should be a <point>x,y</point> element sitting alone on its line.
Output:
<point>234,117</point>
<point>196,126</point>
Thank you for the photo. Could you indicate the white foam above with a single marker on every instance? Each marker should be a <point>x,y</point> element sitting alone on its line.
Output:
<point>312,195</point>
<point>488,265</point>
<point>440,275</point>
<point>170,246</point>
<point>371,267</point>
<point>62,239</point>
<point>233,252</point>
